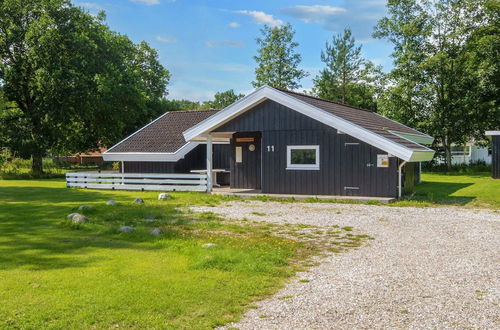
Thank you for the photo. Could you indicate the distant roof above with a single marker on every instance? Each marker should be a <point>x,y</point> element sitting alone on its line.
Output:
<point>164,134</point>
<point>364,118</point>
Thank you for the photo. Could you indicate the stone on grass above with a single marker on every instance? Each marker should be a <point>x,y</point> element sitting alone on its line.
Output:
<point>163,196</point>
<point>71,215</point>
<point>79,218</point>
<point>84,207</point>
<point>126,229</point>
<point>111,202</point>
<point>156,232</point>
<point>209,245</point>
<point>150,218</point>
<point>139,201</point>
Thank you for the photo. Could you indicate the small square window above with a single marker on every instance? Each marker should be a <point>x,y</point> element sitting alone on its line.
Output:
<point>302,157</point>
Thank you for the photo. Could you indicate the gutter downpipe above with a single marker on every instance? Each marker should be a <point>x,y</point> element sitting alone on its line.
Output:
<point>400,174</point>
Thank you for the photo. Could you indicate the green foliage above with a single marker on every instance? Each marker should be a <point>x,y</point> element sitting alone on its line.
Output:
<point>445,79</point>
<point>348,78</point>
<point>224,99</point>
<point>277,61</point>
<point>74,83</point>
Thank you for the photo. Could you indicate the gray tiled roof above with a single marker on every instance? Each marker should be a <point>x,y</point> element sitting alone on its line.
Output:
<point>164,134</point>
<point>364,118</point>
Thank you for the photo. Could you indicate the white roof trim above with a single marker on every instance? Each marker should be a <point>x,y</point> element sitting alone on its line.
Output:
<point>150,156</point>
<point>415,138</point>
<point>266,92</point>
<point>491,133</point>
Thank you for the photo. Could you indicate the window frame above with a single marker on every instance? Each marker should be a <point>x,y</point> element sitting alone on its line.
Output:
<point>290,166</point>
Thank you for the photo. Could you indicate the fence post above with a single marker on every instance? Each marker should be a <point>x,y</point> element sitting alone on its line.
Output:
<point>209,163</point>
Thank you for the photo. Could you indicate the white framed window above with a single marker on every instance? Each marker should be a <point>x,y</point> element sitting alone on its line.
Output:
<point>302,157</point>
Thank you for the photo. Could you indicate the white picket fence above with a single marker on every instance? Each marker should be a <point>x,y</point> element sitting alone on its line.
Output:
<point>142,181</point>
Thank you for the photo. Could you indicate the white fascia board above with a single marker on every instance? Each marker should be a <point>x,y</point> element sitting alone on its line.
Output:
<point>306,109</point>
<point>150,156</point>
<point>491,133</point>
<point>226,114</point>
<point>421,156</point>
<point>415,138</point>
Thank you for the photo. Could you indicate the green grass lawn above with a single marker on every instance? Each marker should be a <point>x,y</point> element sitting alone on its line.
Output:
<point>57,275</point>
<point>477,190</point>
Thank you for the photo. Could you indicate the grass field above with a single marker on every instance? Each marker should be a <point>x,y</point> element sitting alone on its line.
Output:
<point>472,190</point>
<point>54,274</point>
<point>57,275</point>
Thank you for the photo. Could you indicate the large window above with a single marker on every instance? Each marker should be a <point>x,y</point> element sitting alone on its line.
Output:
<point>302,157</point>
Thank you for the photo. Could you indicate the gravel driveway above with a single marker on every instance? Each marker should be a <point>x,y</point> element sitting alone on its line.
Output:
<point>426,268</point>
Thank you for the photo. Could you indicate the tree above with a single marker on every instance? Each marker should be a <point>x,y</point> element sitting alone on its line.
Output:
<point>347,78</point>
<point>277,61</point>
<point>224,99</point>
<point>75,84</point>
<point>434,54</point>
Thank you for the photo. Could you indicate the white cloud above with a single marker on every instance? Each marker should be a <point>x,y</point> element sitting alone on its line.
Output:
<point>90,5</point>
<point>234,25</point>
<point>147,2</point>
<point>260,17</point>
<point>316,14</point>
<point>224,43</point>
<point>165,39</point>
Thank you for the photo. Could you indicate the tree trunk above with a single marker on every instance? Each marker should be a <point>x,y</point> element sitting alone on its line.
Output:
<point>36,164</point>
<point>447,152</point>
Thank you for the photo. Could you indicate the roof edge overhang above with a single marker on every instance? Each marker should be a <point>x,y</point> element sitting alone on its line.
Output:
<point>269,93</point>
<point>150,156</point>
<point>491,133</point>
<point>154,156</point>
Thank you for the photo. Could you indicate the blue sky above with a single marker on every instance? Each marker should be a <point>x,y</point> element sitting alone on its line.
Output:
<point>208,45</point>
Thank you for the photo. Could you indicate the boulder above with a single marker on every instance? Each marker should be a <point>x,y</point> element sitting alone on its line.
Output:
<point>79,218</point>
<point>163,196</point>
<point>71,215</point>
<point>111,202</point>
<point>156,232</point>
<point>139,201</point>
<point>84,207</point>
<point>126,229</point>
<point>209,245</point>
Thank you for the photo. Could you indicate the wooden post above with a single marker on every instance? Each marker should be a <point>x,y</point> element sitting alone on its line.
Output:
<point>209,163</point>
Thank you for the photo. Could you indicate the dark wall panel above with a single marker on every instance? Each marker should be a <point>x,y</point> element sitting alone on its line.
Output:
<point>345,162</point>
<point>194,160</point>
<point>495,157</point>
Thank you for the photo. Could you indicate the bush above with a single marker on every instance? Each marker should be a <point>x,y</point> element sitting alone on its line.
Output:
<point>475,167</point>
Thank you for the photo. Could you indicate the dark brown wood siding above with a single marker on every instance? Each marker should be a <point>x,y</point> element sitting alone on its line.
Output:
<point>347,166</point>
<point>495,157</point>
<point>194,160</point>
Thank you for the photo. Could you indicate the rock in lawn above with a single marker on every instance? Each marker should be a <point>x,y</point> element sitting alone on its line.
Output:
<point>139,201</point>
<point>79,218</point>
<point>156,232</point>
<point>126,229</point>
<point>84,207</point>
<point>150,218</point>
<point>71,215</point>
<point>209,245</point>
<point>111,202</point>
<point>163,196</point>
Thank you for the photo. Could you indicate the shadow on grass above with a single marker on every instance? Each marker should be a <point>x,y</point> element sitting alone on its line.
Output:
<point>441,193</point>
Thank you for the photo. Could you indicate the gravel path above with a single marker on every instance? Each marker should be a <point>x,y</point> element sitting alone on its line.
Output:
<point>427,268</point>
